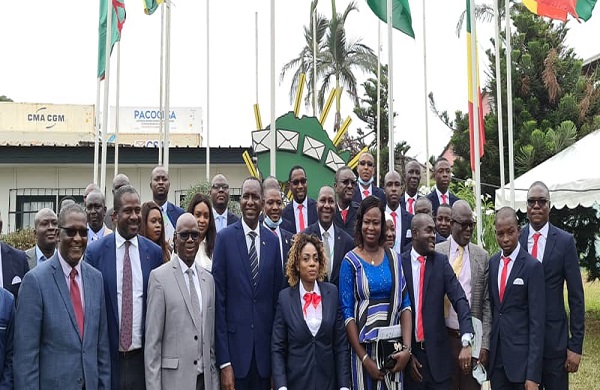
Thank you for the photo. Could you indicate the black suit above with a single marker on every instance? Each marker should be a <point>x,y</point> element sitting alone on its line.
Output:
<point>405,235</point>
<point>231,218</point>
<point>285,241</point>
<point>350,224</point>
<point>435,201</point>
<point>289,216</point>
<point>440,281</point>
<point>403,201</point>
<point>14,267</point>
<point>343,244</point>
<point>305,362</point>
<point>378,192</point>
<point>560,264</point>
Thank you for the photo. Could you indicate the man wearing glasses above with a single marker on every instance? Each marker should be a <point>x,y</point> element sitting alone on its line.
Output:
<point>219,195</point>
<point>345,216</point>
<point>366,169</point>
<point>556,250</point>
<point>470,264</point>
<point>302,211</point>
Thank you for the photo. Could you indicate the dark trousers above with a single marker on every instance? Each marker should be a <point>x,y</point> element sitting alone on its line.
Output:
<point>428,383</point>
<point>499,380</point>
<point>200,382</point>
<point>131,370</point>
<point>460,380</point>
<point>554,375</point>
<point>253,381</point>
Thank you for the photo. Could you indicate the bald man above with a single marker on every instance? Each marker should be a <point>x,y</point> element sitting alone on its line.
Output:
<point>45,231</point>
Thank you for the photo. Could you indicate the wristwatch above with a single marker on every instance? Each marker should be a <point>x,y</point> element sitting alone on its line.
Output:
<point>466,343</point>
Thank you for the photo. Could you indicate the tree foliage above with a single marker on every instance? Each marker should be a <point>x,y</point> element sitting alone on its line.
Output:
<point>4,98</point>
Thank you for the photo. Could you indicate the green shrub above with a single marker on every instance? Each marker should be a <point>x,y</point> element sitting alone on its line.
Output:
<point>21,239</point>
<point>204,188</point>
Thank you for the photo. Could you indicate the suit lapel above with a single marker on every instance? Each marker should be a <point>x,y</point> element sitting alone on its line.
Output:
<point>550,241</point>
<point>178,273</point>
<point>516,270</point>
<point>61,284</point>
<point>243,252</point>
<point>429,264</point>
<point>524,237</point>
<point>110,268</point>
<point>406,267</point>
<point>297,312</point>
<point>7,273</point>
<point>87,296</point>
<point>337,248</point>
<point>327,313</point>
<point>204,291</point>
<point>494,268</point>
<point>145,263</point>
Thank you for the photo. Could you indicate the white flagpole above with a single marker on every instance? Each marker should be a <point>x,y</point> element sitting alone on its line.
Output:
<point>162,82</point>
<point>314,34</point>
<point>475,92</point>
<point>425,95</point>
<point>167,113</point>
<point>509,108</point>
<point>116,163</point>
<point>256,55</point>
<point>273,81</point>
<point>378,140</point>
<point>499,97</point>
<point>106,90</point>
<point>207,90</point>
<point>391,144</point>
<point>97,132</point>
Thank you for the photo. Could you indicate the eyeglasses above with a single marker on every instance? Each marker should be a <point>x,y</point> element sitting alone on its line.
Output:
<point>348,182</point>
<point>186,236</point>
<point>219,187</point>
<point>298,181</point>
<point>365,162</point>
<point>541,202</point>
<point>466,224</point>
<point>72,232</point>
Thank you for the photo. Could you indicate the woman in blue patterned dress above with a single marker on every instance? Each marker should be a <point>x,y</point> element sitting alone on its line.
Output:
<point>373,295</point>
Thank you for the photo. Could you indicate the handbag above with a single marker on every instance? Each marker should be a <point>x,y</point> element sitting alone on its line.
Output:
<point>389,343</point>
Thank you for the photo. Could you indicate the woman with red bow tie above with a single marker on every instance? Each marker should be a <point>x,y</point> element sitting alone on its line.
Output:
<point>309,345</point>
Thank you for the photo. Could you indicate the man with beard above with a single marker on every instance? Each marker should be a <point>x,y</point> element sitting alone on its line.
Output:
<point>412,175</point>
<point>14,266</point>
<point>441,195</point>
<point>272,218</point>
<point>400,217</point>
<point>160,185</point>
<point>346,208</point>
<point>45,229</point>
<point>219,195</point>
<point>430,278</point>
<point>366,174</point>
<point>336,242</point>
<point>125,260</point>
<point>96,210</point>
<point>302,210</point>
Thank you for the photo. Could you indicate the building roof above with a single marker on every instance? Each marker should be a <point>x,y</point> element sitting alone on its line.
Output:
<point>591,64</point>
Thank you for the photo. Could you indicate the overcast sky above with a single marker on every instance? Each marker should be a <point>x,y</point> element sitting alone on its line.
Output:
<point>49,55</point>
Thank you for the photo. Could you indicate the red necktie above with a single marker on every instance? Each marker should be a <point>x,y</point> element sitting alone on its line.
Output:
<point>76,300</point>
<point>344,215</point>
<point>301,217</point>
<point>126,302</point>
<point>410,205</point>
<point>365,193</point>
<point>393,214</point>
<point>534,249</point>
<point>420,330</point>
<point>311,298</point>
<point>503,277</point>
<point>444,200</point>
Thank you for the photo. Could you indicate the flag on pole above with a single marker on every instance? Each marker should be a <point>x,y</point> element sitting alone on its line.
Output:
<point>118,19</point>
<point>151,5</point>
<point>470,70</point>
<point>559,9</point>
<point>401,19</point>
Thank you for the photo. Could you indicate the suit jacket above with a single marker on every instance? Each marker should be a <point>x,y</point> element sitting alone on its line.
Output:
<point>350,224</point>
<point>435,202</point>
<point>244,314</point>
<point>174,212</point>
<point>32,257</point>
<point>440,281</point>
<point>403,201</point>
<point>343,244</point>
<point>286,243</point>
<point>289,217</point>
<point>518,322</point>
<point>378,192</point>
<point>406,233</point>
<point>49,350</point>
<point>101,255</point>
<point>302,361</point>
<point>108,218</point>
<point>172,342</point>
<point>7,329</point>
<point>480,297</point>
<point>14,267</point>
<point>560,264</point>
<point>231,218</point>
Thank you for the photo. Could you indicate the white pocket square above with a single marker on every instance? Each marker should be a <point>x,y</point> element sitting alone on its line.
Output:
<point>519,282</point>
<point>16,280</point>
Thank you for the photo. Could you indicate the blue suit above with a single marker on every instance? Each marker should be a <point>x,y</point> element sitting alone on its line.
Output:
<point>289,217</point>
<point>49,350</point>
<point>244,314</point>
<point>517,339</point>
<point>343,244</point>
<point>305,362</point>
<point>435,201</point>
<point>378,192</point>
<point>7,328</point>
<point>231,218</point>
<point>14,267</point>
<point>101,255</point>
<point>174,212</point>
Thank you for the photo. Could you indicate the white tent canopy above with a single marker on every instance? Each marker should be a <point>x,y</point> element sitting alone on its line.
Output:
<point>572,176</point>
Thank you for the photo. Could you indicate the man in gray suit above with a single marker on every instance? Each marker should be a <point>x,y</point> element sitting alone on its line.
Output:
<point>470,264</point>
<point>61,336</point>
<point>45,228</point>
<point>180,350</point>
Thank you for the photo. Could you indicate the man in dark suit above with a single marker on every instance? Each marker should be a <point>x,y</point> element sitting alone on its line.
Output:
<point>7,329</point>
<point>45,229</point>
<point>95,207</point>
<point>518,304</point>
<point>366,174</point>
<point>556,250</point>
<point>125,260</point>
<point>400,217</point>
<point>272,221</point>
<point>346,208</point>
<point>423,206</point>
<point>61,337</point>
<point>429,278</point>
<point>248,278</point>
<point>412,176</point>
<point>302,210</point>
<point>219,195</point>
<point>443,173</point>
<point>160,185</point>
<point>443,221</point>
<point>336,242</point>
<point>119,181</point>
<point>14,266</point>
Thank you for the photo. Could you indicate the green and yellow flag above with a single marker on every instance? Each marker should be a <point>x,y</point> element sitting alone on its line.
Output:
<point>118,20</point>
<point>151,5</point>
<point>401,19</point>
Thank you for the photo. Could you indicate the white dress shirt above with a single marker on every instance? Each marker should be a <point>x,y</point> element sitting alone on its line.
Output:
<point>314,315</point>
<point>277,232</point>
<point>169,228</point>
<point>439,195</point>
<point>249,240</point>
<point>464,278</point>
<point>297,214</point>
<point>416,277</point>
<point>541,241</point>
<point>513,257</point>
<point>331,242</point>
<point>195,279</point>
<point>95,236</point>
<point>66,268</point>
<point>202,258</point>
<point>363,189</point>
<point>398,226</point>
<point>406,198</point>
<point>138,286</point>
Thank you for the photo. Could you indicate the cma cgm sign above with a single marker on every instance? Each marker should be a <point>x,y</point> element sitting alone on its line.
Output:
<point>51,119</point>
<point>152,114</point>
